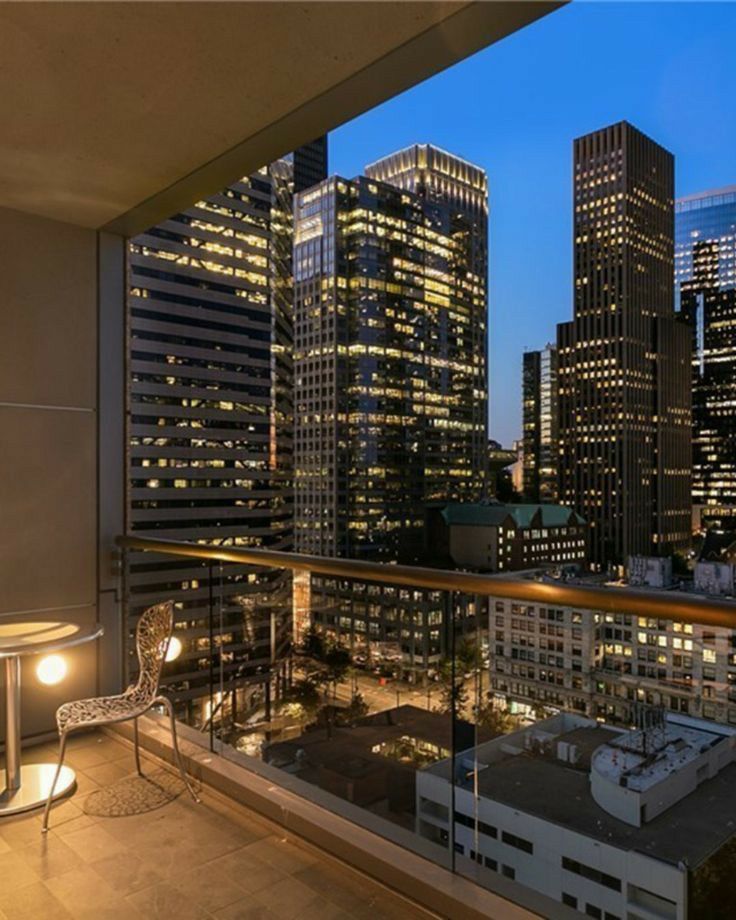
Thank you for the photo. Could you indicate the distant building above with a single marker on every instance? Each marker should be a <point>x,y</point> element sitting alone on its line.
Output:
<point>499,461</point>
<point>374,762</point>
<point>493,537</point>
<point>390,352</point>
<point>600,663</point>
<point>609,822</point>
<point>517,470</point>
<point>540,419</point>
<point>716,578</point>
<point>653,571</point>
<point>705,278</point>
<point>391,414</point>
<point>625,451</point>
<point>718,546</point>
<point>210,421</point>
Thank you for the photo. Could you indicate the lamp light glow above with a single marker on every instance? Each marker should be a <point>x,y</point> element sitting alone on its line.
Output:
<point>174,649</point>
<point>51,670</point>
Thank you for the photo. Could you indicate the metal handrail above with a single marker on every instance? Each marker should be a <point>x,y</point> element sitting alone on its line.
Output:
<point>677,606</point>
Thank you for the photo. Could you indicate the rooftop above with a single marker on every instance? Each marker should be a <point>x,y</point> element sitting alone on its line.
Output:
<point>559,792</point>
<point>491,514</point>
<point>679,745</point>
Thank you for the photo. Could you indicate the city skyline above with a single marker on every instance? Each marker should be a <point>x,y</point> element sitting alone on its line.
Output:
<point>529,159</point>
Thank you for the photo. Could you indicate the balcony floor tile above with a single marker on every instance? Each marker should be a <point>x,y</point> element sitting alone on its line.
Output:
<point>192,862</point>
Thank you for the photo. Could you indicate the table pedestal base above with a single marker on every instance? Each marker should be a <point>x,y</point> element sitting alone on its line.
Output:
<point>35,783</point>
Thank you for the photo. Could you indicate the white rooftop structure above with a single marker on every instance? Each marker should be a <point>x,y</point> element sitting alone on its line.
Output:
<point>640,774</point>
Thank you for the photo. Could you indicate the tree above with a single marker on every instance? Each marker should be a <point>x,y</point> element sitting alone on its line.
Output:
<point>453,694</point>
<point>356,709</point>
<point>313,644</point>
<point>468,657</point>
<point>496,720</point>
<point>337,660</point>
<point>304,696</point>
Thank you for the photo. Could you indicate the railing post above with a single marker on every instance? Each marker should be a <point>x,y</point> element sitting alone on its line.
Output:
<point>450,621</point>
<point>212,655</point>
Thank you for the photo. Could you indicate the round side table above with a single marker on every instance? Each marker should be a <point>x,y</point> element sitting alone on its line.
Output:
<point>28,787</point>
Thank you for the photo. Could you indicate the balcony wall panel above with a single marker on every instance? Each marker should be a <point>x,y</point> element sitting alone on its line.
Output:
<point>48,321</point>
<point>48,441</point>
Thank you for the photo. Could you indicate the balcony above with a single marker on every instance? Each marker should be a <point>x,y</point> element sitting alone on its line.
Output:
<point>365,743</point>
<point>217,859</point>
<point>399,739</point>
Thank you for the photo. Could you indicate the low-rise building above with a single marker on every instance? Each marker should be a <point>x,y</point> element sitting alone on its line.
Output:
<point>599,663</point>
<point>492,537</point>
<point>610,822</point>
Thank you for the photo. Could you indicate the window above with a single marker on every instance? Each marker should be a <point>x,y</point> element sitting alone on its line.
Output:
<point>490,863</point>
<point>519,842</point>
<point>508,871</point>
<point>595,875</point>
<point>467,821</point>
<point>592,911</point>
<point>570,900</point>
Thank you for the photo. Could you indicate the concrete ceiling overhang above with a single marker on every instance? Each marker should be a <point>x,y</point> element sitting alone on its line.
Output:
<point>116,115</point>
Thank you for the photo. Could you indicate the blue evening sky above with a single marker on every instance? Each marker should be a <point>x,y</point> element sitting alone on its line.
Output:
<point>514,108</point>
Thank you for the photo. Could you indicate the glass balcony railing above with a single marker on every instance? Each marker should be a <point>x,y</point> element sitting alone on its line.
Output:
<point>567,743</point>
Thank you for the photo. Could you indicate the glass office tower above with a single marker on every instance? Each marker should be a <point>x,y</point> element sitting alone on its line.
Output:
<point>391,393</point>
<point>705,280</point>
<point>391,411</point>
<point>540,411</point>
<point>625,459</point>
<point>211,422</point>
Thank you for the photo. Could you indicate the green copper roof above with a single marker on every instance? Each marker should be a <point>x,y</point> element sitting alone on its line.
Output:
<point>523,516</point>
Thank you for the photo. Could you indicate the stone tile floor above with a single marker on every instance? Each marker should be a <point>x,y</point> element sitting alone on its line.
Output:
<point>180,862</point>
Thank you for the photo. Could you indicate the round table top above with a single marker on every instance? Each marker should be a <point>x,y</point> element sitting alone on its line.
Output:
<point>32,637</point>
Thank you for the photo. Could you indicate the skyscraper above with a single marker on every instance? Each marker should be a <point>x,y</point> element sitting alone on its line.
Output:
<point>390,348</point>
<point>705,279</point>
<point>390,371</point>
<point>623,379</point>
<point>211,422</point>
<point>540,420</point>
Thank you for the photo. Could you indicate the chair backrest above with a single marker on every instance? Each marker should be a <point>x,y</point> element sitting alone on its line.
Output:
<point>152,640</point>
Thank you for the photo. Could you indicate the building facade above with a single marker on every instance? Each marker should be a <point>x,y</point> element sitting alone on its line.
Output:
<point>568,807</point>
<point>540,421</point>
<point>624,400</point>
<point>705,280</point>
<point>390,352</point>
<point>391,385</point>
<point>600,663</point>
<point>210,427</point>
<point>504,538</point>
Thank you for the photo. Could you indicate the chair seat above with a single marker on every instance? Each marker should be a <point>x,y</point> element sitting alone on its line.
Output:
<point>99,710</point>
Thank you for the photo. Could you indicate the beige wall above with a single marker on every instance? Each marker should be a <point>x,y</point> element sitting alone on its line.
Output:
<point>48,440</point>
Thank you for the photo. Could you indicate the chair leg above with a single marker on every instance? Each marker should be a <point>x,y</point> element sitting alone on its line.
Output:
<point>62,748</point>
<point>136,745</point>
<point>175,741</point>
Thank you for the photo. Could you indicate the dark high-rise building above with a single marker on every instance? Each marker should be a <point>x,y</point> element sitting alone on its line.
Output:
<point>391,387</point>
<point>540,420</point>
<point>211,418</point>
<point>705,279</point>
<point>623,378</point>
<point>390,346</point>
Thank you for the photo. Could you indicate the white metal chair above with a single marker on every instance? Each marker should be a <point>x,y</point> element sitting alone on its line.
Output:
<point>152,641</point>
